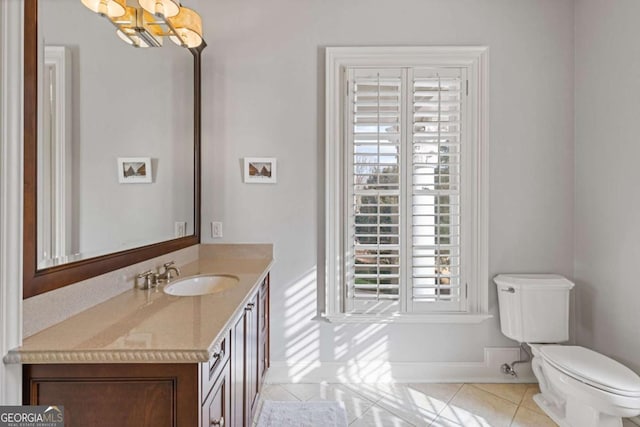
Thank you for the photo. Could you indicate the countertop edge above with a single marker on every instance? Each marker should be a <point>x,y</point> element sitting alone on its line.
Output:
<point>106,356</point>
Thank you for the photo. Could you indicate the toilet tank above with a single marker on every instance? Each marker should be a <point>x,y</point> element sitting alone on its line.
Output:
<point>534,308</point>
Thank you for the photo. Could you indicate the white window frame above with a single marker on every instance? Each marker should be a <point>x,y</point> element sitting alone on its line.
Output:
<point>338,60</point>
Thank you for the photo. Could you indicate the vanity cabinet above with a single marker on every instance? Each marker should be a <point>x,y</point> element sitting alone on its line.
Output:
<point>220,392</point>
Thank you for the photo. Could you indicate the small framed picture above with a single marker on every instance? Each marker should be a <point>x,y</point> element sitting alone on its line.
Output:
<point>260,170</point>
<point>134,170</point>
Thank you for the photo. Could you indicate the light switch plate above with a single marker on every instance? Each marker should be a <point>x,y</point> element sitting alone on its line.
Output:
<point>216,230</point>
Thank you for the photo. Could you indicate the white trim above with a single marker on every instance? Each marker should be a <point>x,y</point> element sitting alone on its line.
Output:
<point>55,235</point>
<point>334,179</point>
<point>11,101</point>
<point>404,56</point>
<point>481,254</point>
<point>487,370</point>
<point>409,318</point>
<point>337,59</point>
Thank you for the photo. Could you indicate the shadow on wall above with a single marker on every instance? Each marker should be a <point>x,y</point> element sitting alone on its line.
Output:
<point>301,331</point>
<point>355,352</point>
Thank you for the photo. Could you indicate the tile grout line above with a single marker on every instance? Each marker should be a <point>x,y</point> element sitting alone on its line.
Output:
<point>456,393</point>
<point>374,402</point>
<point>284,389</point>
<point>446,404</point>
<point>523,395</point>
<point>499,397</point>
<point>363,414</point>
<point>389,410</point>
<point>291,394</point>
<point>343,386</point>
<point>513,419</point>
<point>410,422</point>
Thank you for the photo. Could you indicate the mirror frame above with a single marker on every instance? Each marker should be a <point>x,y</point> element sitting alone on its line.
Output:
<point>37,281</point>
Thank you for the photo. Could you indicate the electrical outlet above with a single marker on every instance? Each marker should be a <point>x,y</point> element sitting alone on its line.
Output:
<point>216,230</point>
<point>180,229</point>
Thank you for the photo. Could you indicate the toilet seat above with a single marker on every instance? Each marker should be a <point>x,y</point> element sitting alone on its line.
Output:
<point>593,369</point>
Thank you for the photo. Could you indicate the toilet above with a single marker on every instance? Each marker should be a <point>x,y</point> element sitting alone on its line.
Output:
<point>578,387</point>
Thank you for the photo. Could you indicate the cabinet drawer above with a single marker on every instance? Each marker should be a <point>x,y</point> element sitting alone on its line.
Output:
<point>211,369</point>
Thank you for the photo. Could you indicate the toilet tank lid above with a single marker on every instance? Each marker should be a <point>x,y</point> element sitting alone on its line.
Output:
<point>593,368</point>
<point>533,281</point>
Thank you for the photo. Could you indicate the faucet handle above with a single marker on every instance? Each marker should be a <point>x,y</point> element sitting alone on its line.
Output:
<point>145,274</point>
<point>169,264</point>
<point>148,277</point>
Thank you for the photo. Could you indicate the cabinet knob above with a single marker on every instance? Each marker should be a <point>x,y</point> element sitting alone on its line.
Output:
<point>219,422</point>
<point>249,306</point>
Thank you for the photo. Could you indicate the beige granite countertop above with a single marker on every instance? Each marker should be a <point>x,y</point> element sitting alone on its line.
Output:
<point>149,326</point>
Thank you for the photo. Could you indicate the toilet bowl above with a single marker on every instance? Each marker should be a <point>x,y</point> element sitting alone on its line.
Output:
<point>578,387</point>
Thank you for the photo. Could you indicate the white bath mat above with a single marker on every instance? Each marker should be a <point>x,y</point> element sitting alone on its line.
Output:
<point>302,414</point>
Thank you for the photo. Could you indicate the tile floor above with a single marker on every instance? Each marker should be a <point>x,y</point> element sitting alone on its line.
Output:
<point>438,405</point>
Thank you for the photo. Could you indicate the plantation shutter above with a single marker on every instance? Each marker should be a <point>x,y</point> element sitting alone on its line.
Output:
<point>403,239</point>
<point>437,108</point>
<point>374,201</point>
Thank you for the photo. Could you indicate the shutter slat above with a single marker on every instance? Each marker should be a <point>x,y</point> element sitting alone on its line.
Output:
<point>375,276</point>
<point>375,136</point>
<point>359,296</point>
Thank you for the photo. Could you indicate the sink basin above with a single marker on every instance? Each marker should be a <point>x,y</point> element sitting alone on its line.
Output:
<point>201,285</point>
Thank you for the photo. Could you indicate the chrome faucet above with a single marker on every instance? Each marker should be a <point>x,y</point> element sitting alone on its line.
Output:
<point>167,275</point>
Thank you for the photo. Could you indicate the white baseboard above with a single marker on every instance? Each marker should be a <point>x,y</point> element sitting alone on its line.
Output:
<point>487,370</point>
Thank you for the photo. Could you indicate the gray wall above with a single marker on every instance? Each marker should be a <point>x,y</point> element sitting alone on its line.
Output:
<point>264,96</point>
<point>607,194</point>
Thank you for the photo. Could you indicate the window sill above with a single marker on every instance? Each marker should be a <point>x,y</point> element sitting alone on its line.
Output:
<point>468,318</point>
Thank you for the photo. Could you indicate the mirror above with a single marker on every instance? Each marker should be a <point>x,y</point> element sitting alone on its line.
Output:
<point>111,147</point>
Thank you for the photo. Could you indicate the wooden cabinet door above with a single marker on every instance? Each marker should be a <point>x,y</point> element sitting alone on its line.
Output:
<point>123,395</point>
<point>252,318</point>
<point>238,372</point>
<point>216,409</point>
<point>244,359</point>
<point>263,332</point>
